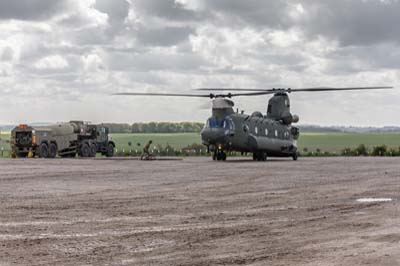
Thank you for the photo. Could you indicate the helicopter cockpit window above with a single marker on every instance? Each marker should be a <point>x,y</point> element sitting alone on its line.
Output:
<point>216,123</point>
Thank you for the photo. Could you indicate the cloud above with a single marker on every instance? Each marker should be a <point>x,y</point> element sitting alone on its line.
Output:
<point>31,9</point>
<point>360,23</point>
<point>52,62</point>
<point>166,36</point>
<point>76,53</point>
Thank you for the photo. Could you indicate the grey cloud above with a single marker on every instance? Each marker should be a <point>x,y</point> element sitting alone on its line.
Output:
<point>30,9</point>
<point>358,22</point>
<point>6,54</point>
<point>167,36</point>
<point>117,11</point>
<point>166,9</point>
<point>271,14</point>
<point>154,62</point>
<point>354,59</point>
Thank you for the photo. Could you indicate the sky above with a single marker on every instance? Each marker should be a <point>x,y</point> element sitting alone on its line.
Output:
<point>61,60</point>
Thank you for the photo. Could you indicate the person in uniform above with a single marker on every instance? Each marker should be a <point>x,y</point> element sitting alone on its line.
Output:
<point>146,149</point>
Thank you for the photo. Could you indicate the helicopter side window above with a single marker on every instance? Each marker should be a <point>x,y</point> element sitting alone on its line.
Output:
<point>228,124</point>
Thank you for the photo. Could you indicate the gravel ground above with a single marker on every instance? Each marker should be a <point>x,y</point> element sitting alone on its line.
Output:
<point>316,211</point>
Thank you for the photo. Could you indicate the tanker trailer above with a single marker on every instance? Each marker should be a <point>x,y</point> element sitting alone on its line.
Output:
<point>43,141</point>
<point>64,139</point>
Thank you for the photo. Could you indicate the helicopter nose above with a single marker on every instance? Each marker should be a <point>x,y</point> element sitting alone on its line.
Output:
<point>213,135</point>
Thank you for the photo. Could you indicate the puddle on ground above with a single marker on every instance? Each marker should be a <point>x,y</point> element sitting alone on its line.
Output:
<point>368,200</point>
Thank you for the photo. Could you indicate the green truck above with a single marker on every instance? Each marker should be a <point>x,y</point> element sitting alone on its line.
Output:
<point>62,139</point>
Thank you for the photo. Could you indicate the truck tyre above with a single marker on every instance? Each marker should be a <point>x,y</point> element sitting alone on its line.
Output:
<point>85,150</point>
<point>21,155</point>
<point>110,150</point>
<point>93,150</point>
<point>52,150</point>
<point>43,151</point>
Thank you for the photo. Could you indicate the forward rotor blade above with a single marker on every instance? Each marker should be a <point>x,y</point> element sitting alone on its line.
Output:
<point>165,94</point>
<point>232,89</point>
<point>210,95</point>
<point>229,95</point>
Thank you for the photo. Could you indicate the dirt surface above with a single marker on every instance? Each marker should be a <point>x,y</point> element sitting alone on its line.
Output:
<point>200,212</point>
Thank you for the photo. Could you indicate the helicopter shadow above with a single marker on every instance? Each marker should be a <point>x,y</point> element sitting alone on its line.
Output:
<point>250,160</point>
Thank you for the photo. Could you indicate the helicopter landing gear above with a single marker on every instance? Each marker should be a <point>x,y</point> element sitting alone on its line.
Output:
<point>219,155</point>
<point>259,156</point>
<point>295,156</point>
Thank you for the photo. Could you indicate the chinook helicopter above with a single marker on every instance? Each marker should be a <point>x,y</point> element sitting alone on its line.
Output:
<point>272,134</point>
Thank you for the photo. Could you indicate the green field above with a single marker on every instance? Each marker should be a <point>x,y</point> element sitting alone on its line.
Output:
<point>4,144</point>
<point>335,142</point>
<point>176,140</point>
<point>330,142</point>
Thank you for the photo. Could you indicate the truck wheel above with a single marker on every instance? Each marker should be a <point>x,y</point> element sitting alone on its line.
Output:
<point>85,150</point>
<point>110,150</point>
<point>52,150</point>
<point>22,155</point>
<point>93,150</point>
<point>43,150</point>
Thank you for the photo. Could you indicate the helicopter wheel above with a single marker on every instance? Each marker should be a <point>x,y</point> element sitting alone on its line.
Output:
<point>223,156</point>
<point>219,156</point>
<point>259,156</point>
<point>295,156</point>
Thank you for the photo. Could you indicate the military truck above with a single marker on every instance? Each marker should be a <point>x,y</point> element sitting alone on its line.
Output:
<point>63,139</point>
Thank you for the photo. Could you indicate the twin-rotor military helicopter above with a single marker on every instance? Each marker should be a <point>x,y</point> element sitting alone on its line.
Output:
<point>262,135</point>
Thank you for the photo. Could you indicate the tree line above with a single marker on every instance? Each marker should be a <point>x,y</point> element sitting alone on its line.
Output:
<point>156,127</point>
<point>360,150</point>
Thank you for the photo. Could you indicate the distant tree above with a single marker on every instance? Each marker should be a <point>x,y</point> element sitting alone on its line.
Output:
<point>361,150</point>
<point>379,150</point>
<point>346,152</point>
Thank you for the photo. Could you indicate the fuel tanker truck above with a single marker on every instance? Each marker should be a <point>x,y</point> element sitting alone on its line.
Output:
<point>63,139</point>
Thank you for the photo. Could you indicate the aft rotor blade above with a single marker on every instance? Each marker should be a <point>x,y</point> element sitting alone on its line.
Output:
<point>340,89</point>
<point>164,94</point>
<point>315,89</point>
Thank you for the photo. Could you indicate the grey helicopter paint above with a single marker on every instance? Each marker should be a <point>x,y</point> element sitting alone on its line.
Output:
<point>272,134</point>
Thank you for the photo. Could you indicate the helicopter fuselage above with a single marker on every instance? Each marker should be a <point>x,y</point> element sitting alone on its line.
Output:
<point>226,130</point>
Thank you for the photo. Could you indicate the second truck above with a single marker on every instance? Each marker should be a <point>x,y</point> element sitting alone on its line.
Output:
<point>63,139</point>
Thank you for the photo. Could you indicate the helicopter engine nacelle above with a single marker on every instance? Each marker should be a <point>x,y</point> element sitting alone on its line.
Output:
<point>296,118</point>
<point>287,118</point>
